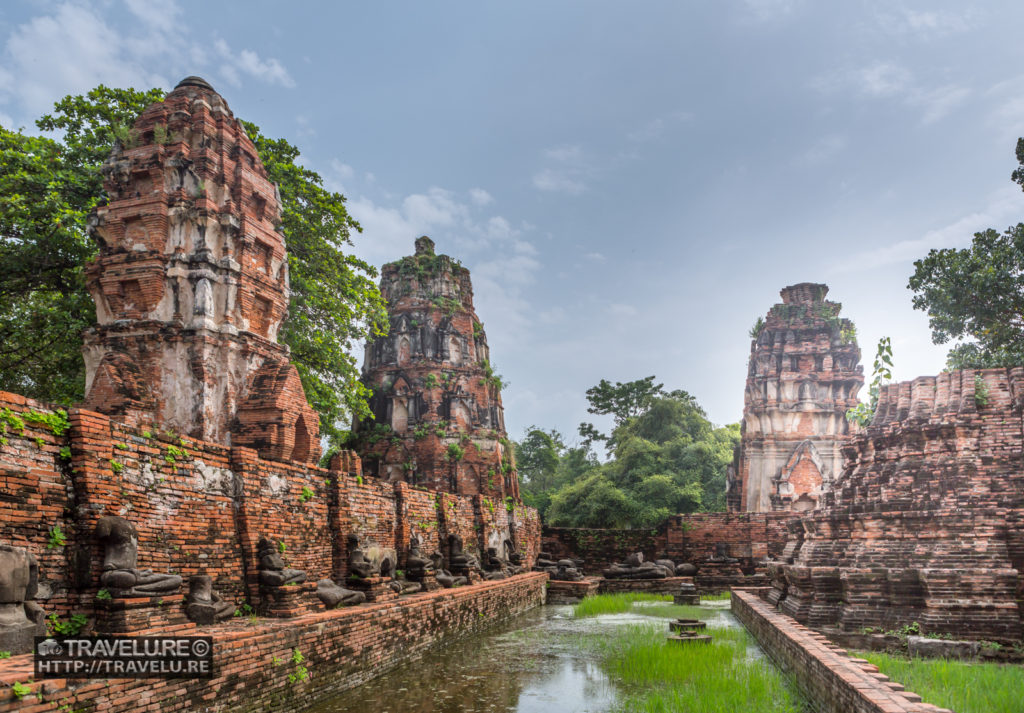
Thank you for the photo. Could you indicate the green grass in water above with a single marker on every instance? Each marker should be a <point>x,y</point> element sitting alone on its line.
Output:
<point>615,603</point>
<point>720,597</point>
<point>962,686</point>
<point>675,611</point>
<point>697,678</point>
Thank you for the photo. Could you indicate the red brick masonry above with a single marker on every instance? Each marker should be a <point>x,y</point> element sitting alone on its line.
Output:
<point>833,681</point>
<point>341,648</point>
<point>200,508</point>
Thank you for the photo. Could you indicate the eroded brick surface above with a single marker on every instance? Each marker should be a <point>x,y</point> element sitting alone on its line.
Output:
<point>924,525</point>
<point>191,285</point>
<point>201,508</point>
<point>804,374</point>
<point>341,648</point>
<point>698,538</point>
<point>438,419</point>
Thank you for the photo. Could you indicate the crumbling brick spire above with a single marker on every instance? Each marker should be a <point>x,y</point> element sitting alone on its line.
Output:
<point>804,374</point>
<point>438,419</point>
<point>191,284</point>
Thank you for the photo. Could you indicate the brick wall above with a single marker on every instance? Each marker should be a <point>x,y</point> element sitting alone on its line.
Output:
<point>830,679</point>
<point>748,537</point>
<point>342,648</point>
<point>924,523</point>
<point>200,508</point>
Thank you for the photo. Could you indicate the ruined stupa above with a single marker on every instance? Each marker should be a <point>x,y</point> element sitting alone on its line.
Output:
<point>191,285</point>
<point>803,375</point>
<point>438,420</point>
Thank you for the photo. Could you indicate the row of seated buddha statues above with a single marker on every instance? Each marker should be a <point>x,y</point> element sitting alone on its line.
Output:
<point>22,618</point>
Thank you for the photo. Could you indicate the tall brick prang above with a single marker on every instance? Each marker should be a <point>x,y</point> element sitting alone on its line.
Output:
<point>191,285</point>
<point>438,419</point>
<point>925,523</point>
<point>804,374</point>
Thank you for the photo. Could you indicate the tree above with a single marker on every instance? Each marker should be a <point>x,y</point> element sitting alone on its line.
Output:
<point>667,458</point>
<point>593,501</point>
<point>335,305</point>
<point>546,464</point>
<point>47,190</point>
<point>976,295</point>
<point>49,187</point>
<point>621,400</point>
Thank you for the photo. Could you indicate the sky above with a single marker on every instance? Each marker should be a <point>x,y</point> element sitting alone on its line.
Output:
<point>630,184</point>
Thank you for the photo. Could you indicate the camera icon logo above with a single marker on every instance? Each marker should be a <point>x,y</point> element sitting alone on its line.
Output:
<point>49,648</point>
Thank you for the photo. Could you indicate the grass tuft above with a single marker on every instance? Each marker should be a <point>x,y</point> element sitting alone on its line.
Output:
<point>963,686</point>
<point>615,603</point>
<point>719,597</point>
<point>697,678</point>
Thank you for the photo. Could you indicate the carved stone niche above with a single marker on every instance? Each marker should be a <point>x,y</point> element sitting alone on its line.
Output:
<point>21,619</point>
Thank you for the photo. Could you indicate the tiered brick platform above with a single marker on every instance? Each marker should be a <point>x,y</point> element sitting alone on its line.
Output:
<point>924,524</point>
<point>342,648</point>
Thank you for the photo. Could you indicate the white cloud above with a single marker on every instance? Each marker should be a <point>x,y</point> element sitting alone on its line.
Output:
<point>1004,206</point>
<point>249,62</point>
<point>656,127</point>
<point>622,310</point>
<point>596,257</point>
<point>882,79</point>
<point>556,181</point>
<point>565,154</point>
<point>938,102</point>
<point>566,173</point>
<point>926,24</point>
<point>890,80</point>
<point>72,47</point>
<point>480,196</point>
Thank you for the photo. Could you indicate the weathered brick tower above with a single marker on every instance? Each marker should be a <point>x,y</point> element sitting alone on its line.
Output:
<point>926,522</point>
<point>804,374</point>
<point>438,420</point>
<point>191,285</point>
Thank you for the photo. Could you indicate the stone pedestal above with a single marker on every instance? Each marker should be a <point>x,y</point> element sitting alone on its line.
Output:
<point>561,592</point>
<point>16,631</point>
<point>376,589</point>
<point>429,582</point>
<point>287,601</point>
<point>135,615</point>
<point>687,594</point>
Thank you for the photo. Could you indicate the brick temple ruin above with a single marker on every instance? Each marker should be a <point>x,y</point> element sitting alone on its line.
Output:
<point>803,376</point>
<point>186,488</point>
<point>191,285</point>
<point>925,522</point>
<point>438,419</point>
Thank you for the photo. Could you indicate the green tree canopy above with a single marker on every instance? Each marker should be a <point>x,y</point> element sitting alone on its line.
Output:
<point>666,458</point>
<point>47,190</point>
<point>976,295</point>
<point>48,187</point>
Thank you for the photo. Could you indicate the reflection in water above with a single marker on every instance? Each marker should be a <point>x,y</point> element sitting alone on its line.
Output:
<point>531,664</point>
<point>535,663</point>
